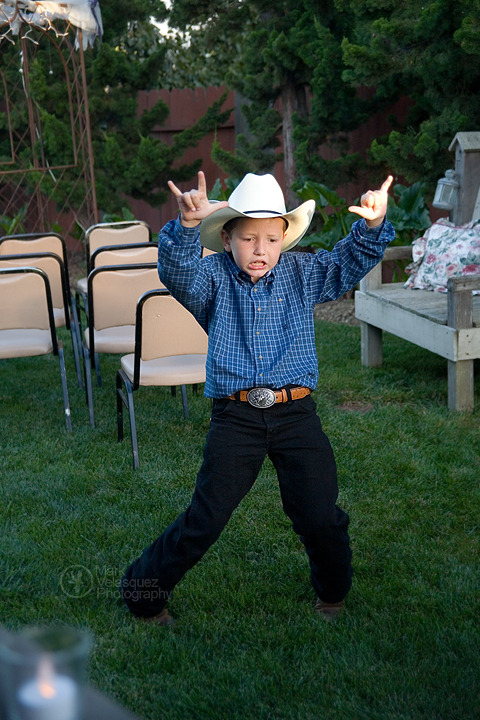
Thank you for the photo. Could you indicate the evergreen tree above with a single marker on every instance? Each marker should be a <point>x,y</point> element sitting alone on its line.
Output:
<point>285,59</point>
<point>315,57</point>
<point>428,51</point>
<point>128,158</point>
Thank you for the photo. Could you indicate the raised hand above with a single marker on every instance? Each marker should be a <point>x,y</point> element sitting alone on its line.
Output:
<point>373,204</point>
<point>194,205</point>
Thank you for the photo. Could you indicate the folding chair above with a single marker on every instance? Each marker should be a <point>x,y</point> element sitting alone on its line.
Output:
<point>107,234</point>
<point>125,254</point>
<point>103,235</point>
<point>116,233</point>
<point>113,292</point>
<point>36,245</point>
<point>170,349</point>
<point>131,254</point>
<point>27,324</point>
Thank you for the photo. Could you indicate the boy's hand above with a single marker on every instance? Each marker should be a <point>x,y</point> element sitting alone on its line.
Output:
<point>373,205</point>
<point>194,205</point>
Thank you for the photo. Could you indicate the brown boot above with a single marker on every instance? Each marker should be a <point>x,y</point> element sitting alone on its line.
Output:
<point>329,611</point>
<point>163,618</point>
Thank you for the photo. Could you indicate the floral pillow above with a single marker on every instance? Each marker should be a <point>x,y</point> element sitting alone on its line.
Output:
<point>444,251</point>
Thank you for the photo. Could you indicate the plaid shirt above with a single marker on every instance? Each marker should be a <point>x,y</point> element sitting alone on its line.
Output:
<point>262,334</point>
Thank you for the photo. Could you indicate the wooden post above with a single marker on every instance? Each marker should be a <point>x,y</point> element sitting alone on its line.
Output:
<point>467,170</point>
<point>460,372</point>
<point>371,351</point>
<point>371,337</point>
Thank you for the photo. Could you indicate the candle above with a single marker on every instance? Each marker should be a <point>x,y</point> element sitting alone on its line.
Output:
<point>49,696</point>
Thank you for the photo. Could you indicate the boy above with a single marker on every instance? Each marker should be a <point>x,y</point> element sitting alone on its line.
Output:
<point>256,304</point>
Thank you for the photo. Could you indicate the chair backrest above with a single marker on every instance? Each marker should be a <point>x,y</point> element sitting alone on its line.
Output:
<point>113,292</point>
<point>48,242</point>
<point>53,266</point>
<point>119,233</point>
<point>26,301</point>
<point>164,328</point>
<point>125,254</point>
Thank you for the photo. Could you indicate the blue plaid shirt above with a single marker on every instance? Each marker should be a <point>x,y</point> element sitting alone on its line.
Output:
<point>262,334</point>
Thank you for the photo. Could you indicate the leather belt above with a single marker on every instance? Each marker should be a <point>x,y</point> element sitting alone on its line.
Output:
<point>261,397</point>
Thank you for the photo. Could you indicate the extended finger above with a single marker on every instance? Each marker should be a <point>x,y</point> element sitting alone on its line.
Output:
<point>175,190</point>
<point>202,183</point>
<point>217,205</point>
<point>365,212</point>
<point>387,184</point>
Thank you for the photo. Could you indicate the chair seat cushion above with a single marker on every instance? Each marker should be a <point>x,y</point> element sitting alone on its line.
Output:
<point>119,339</point>
<point>172,370</point>
<point>25,343</point>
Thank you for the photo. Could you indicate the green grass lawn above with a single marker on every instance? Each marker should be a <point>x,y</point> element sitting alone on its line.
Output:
<point>247,643</point>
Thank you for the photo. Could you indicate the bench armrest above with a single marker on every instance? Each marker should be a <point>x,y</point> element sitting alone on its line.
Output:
<point>464,283</point>
<point>398,252</point>
<point>460,300</point>
<point>373,279</point>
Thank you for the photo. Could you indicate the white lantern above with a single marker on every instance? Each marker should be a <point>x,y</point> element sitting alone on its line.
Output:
<point>446,192</point>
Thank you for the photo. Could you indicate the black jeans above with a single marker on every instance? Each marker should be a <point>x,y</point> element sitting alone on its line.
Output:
<point>239,438</point>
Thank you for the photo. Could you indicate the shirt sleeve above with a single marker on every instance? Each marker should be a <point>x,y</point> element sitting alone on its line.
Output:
<point>181,269</point>
<point>334,273</point>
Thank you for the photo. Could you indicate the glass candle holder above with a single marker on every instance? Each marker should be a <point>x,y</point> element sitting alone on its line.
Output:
<point>42,673</point>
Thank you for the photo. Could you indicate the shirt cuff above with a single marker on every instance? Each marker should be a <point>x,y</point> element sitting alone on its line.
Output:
<point>371,232</point>
<point>185,235</point>
<point>383,234</point>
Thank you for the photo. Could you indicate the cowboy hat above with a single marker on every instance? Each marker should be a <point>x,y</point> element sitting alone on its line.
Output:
<point>257,196</point>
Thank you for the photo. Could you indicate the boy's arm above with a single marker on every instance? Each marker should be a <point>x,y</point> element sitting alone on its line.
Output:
<point>336,272</point>
<point>180,268</point>
<point>179,250</point>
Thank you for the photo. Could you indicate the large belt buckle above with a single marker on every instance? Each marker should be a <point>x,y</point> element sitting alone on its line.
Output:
<point>261,397</point>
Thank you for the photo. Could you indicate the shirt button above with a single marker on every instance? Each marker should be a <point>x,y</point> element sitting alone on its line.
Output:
<point>259,309</point>
<point>260,357</point>
<point>257,333</point>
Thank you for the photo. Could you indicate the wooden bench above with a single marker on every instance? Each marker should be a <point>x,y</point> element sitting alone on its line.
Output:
<point>447,324</point>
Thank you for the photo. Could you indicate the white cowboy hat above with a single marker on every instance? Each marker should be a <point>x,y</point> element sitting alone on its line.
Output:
<point>257,196</point>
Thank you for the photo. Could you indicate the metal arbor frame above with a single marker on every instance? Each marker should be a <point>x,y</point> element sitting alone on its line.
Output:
<point>44,183</point>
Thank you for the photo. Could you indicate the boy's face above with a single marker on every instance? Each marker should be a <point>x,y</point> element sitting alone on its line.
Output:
<point>255,244</point>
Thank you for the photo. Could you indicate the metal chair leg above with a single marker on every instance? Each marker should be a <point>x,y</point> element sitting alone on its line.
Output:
<point>63,374</point>
<point>96,360</point>
<point>76,341</point>
<point>120,401</point>
<point>133,427</point>
<point>76,356</point>
<point>88,385</point>
<point>184,401</point>
<point>127,400</point>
